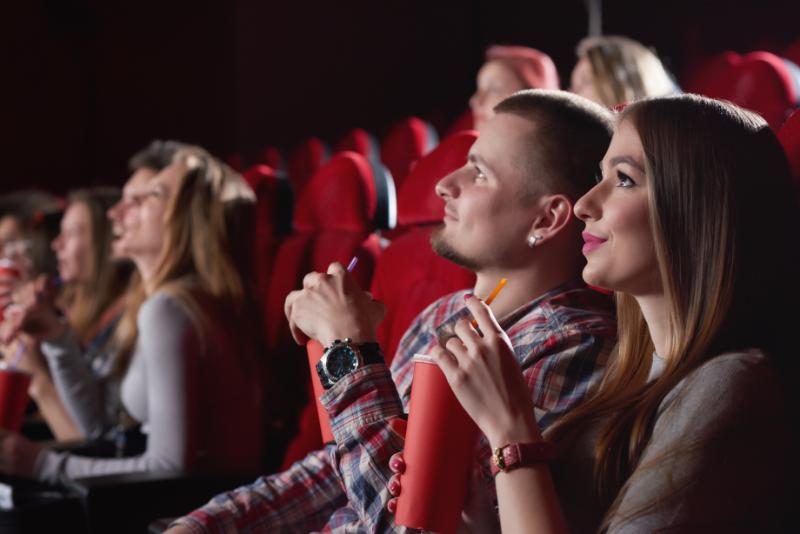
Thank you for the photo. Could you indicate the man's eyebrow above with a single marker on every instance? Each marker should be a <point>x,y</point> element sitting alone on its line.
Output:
<point>475,158</point>
<point>627,159</point>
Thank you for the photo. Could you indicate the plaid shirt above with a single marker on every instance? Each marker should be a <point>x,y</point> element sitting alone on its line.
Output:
<point>561,339</point>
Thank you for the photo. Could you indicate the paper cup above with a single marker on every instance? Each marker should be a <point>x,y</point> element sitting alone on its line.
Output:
<point>315,351</point>
<point>13,397</point>
<point>439,453</point>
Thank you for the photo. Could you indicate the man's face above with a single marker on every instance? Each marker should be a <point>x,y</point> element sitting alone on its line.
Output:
<point>488,207</point>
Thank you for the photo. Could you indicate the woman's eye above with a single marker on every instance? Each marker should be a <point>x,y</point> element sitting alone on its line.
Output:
<point>623,180</point>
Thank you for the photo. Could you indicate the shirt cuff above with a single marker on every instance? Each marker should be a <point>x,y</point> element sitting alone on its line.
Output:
<point>363,397</point>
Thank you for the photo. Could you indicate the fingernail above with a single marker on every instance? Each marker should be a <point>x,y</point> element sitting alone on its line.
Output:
<point>467,296</point>
<point>393,487</point>
<point>396,465</point>
<point>392,505</point>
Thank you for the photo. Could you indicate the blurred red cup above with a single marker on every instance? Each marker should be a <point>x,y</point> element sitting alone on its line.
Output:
<point>315,351</point>
<point>439,453</point>
<point>13,397</point>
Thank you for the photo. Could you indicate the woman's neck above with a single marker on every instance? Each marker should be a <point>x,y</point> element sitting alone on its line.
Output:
<point>655,315</point>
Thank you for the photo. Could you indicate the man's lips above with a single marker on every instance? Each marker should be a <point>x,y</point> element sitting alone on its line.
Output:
<point>449,214</point>
<point>591,242</point>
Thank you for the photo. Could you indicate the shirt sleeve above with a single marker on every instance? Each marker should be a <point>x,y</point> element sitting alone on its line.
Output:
<point>169,346</point>
<point>81,391</point>
<point>301,499</point>
<point>715,457</point>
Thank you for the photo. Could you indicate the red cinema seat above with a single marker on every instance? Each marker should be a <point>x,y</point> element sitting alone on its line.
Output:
<point>409,275</point>
<point>404,144</point>
<point>760,81</point>
<point>333,221</point>
<point>793,53</point>
<point>360,141</point>
<point>272,156</point>
<point>304,161</point>
<point>273,221</point>
<point>463,123</point>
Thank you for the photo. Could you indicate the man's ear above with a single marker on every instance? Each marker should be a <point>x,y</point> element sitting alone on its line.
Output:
<point>554,214</point>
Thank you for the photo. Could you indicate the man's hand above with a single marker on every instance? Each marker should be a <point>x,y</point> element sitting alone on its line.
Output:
<point>331,306</point>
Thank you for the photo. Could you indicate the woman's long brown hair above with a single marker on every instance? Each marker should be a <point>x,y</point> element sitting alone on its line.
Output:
<point>722,219</point>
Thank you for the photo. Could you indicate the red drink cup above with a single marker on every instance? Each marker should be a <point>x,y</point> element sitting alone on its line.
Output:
<point>13,397</point>
<point>439,453</point>
<point>315,352</point>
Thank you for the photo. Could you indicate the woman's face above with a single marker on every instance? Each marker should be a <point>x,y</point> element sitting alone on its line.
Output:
<point>496,81</point>
<point>73,246</point>
<point>582,81</point>
<point>144,224</point>
<point>619,249</point>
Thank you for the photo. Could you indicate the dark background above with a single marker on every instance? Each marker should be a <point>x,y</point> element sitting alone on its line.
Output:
<point>85,83</point>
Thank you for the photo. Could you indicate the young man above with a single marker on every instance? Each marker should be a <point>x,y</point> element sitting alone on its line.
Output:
<point>508,213</point>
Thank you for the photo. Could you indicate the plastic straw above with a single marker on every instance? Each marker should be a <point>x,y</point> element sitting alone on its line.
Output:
<point>352,264</point>
<point>492,296</point>
<point>21,348</point>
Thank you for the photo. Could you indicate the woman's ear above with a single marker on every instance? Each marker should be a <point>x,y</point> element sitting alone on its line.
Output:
<point>553,215</point>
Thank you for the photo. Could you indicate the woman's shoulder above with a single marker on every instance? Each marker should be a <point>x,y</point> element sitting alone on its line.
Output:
<point>164,309</point>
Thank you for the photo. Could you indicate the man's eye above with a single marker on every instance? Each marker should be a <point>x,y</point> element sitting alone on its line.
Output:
<point>479,174</point>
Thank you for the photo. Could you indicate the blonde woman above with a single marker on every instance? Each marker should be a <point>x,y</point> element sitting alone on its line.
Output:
<point>193,379</point>
<point>614,70</point>
<point>691,223</point>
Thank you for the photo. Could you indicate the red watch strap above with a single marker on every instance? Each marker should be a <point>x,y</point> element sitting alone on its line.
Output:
<point>516,455</point>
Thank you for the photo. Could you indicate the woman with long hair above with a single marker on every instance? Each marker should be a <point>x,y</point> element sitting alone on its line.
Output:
<point>194,378</point>
<point>614,70</point>
<point>692,225</point>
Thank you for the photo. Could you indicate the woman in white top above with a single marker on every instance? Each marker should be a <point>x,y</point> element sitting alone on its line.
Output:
<point>193,379</point>
<point>692,225</point>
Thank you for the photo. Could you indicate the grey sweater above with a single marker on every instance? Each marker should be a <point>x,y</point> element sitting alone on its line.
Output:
<point>715,461</point>
<point>197,397</point>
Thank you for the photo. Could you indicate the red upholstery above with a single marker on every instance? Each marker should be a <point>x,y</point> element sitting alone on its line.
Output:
<point>793,53</point>
<point>333,222</point>
<point>359,141</point>
<point>235,162</point>
<point>304,162</point>
<point>408,275</point>
<point>417,202</point>
<point>463,122</point>
<point>272,157</point>
<point>789,136</point>
<point>273,213</point>
<point>340,196</point>
<point>406,142</point>
<point>760,81</point>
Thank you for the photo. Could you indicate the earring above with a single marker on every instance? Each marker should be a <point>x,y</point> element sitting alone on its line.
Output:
<point>532,239</point>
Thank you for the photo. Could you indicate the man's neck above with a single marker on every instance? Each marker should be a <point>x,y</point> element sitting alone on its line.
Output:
<point>523,285</point>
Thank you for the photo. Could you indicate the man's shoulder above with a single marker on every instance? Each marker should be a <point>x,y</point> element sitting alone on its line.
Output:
<point>442,308</point>
<point>581,308</point>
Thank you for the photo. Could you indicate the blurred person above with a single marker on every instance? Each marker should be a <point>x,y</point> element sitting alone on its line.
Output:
<point>690,429</point>
<point>508,213</point>
<point>614,70</point>
<point>194,378</point>
<point>509,69</point>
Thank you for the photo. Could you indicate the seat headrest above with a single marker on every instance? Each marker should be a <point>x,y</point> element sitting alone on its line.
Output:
<point>789,136</point>
<point>759,81</point>
<point>305,159</point>
<point>417,202</point>
<point>359,141</point>
<point>464,122</point>
<point>404,144</point>
<point>339,196</point>
<point>273,200</point>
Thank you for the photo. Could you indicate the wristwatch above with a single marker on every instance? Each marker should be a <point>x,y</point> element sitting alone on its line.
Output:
<point>343,357</point>
<point>516,455</point>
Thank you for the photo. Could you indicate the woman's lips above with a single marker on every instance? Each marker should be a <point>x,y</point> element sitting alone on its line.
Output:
<point>591,242</point>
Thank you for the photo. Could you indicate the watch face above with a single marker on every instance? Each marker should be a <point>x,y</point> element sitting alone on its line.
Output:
<point>340,362</point>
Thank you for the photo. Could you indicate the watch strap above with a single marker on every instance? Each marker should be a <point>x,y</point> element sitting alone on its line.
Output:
<point>515,455</point>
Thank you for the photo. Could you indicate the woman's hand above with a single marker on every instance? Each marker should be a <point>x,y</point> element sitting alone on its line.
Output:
<point>331,306</point>
<point>17,454</point>
<point>30,358</point>
<point>486,378</point>
<point>32,312</point>
<point>398,466</point>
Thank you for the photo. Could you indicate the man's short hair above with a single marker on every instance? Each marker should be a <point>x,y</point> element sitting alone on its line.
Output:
<point>157,155</point>
<point>571,136</point>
